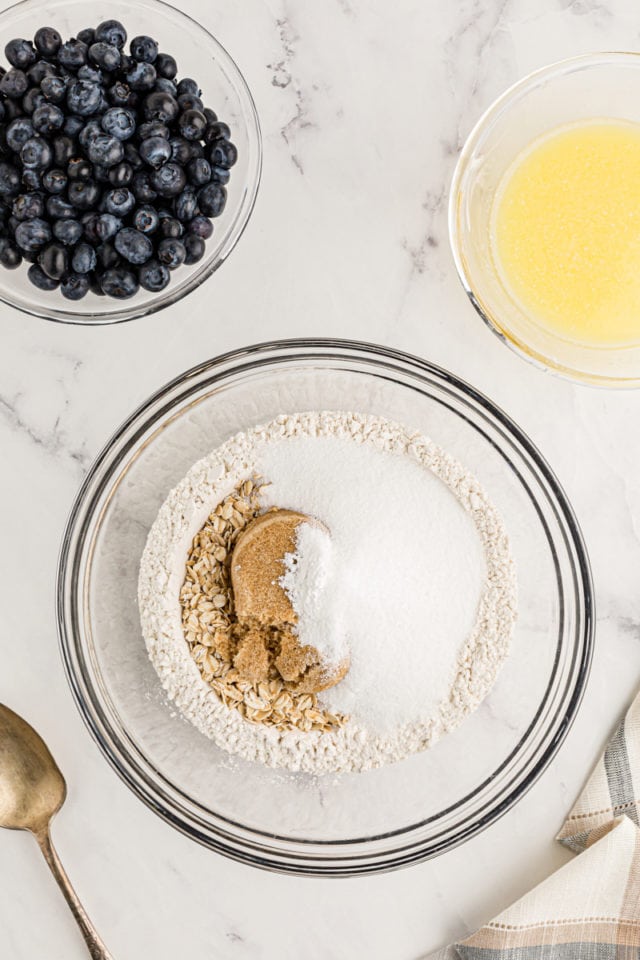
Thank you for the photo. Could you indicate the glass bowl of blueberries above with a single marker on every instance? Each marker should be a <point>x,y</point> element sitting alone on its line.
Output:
<point>130,158</point>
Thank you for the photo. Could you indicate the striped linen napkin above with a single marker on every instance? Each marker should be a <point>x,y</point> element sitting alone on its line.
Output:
<point>590,908</point>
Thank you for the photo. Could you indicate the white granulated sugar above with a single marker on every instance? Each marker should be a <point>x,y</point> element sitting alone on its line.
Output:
<point>406,573</point>
<point>308,581</point>
<point>416,578</point>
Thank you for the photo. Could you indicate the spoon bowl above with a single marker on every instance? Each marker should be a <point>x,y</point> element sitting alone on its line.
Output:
<point>32,789</point>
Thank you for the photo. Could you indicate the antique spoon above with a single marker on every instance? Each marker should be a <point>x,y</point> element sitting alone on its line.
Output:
<point>32,790</point>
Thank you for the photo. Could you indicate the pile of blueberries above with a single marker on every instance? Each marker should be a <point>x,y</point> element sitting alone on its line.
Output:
<point>110,168</point>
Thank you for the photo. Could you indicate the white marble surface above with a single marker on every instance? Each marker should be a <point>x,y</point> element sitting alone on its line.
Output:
<point>364,106</point>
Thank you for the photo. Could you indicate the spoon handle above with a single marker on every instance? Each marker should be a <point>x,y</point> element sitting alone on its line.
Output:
<point>96,947</point>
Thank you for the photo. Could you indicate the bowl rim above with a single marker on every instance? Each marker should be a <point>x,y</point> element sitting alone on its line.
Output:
<point>492,113</point>
<point>123,311</point>
<point>248,844</point>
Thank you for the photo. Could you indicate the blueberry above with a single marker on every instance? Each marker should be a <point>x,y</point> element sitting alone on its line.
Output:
<point>144,49</point>
<point>101,173</point>
<point>199,171</point>
<point>18,132</point>
<point>153,276</point>
<point>64,148</point>
<point>220,175</point>
<point>14,84</point>
<point>32,234</point>
<point>121,175</point>
<point>170,227</point>
<point>167,86</point>
<point>186,204</point>
<point>105,149</point>
<point>88,36</point>
<point>155,151</point>
<point>83,97</point>
<point>188,102</point>
<point>9,180</point>
<point>73,54</point>
<point>118,122</point>
<point>195,249</point>
<point>106,226</point>
<point>60,209</point>
<point>55,181</point>
<point>107,256</point>
<point>146,219</point>
<point>171,252</point>
<point>12,109</point>
<point>93,74</point>
<point>180,150</point>
<point>187,85</point>
<point>105,56</point>
<point>166,66</point>
<point>83,258</point>
<point>223,153</point>
<point>79,169</point>
<point>111,31</point>
<point>153,128</point>
<point>10,256</point>
<point>20,53</point>
<point>39,279</point>
<point>31,180</point>
<point>36,153</point>
<point>211,115</point>
<point>32,99</point>
<point>47,41</point>
<point>161,106</point>
<point>120,201</point>
<point>26,206</point>
<point>54,260</point>
<point>132,156</point>
<point>169,180</point>
<point>119,283</point>
<point>67,231</point>
<point>90,130</point>
<point>142,189</point>
<point>39,71</point>
<point>200,227</point>
<point>54,89</point>
<point>73,125</point>
<point>212,199</point>
<point>47,118</point>
<point>141,76</point>
<point>192,124</point>
<point>83,194</point>
<point>119,94</point>
<point>133,245</point>
<point>74,287</point>
<point>217,131</point>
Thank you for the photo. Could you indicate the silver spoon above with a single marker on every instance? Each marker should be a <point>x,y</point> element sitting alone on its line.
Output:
<point>32,790</point>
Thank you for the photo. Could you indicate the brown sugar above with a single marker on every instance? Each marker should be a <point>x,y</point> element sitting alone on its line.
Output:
<point>257,565</point>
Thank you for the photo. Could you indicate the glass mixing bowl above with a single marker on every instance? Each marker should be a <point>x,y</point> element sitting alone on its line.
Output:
<point>224,89</point>
<point>600,85</point>
<point>332,825</point>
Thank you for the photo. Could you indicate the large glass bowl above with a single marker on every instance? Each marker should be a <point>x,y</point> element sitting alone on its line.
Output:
<point>224,89</point>
<point>598,85</point>
<point>334,825</point>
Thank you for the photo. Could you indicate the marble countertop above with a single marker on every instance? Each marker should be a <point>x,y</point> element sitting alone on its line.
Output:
<point>364,107</point>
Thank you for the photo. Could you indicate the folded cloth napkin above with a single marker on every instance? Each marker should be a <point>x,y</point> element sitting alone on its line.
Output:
<point>590,908</point>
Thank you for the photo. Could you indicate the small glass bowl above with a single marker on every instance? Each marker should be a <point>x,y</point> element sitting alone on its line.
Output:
<point>328,825</point>
<point>224,89</point>
<point>599,85</point>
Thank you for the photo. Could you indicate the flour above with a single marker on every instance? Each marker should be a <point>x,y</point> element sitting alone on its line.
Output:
<point>445,562</point>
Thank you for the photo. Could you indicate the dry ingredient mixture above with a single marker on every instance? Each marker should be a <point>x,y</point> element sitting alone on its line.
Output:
<point>420,586</point>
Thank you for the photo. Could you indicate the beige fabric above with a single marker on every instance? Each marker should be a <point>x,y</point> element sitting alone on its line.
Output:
<point>589,909</point>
